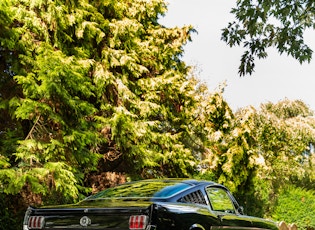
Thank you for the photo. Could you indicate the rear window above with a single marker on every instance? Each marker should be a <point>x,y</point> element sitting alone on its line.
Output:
<point>143,189</point>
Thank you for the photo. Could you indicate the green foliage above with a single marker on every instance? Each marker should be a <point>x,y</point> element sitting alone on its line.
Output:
<point>286,109</point>
<point>295,205</point>
<point>95,84</point>
<point>60,121</point>
<point>8,215</point>
<point>228,153</point>
<point>285,139</point>
<point>281,135</point>
<point>263,24</point>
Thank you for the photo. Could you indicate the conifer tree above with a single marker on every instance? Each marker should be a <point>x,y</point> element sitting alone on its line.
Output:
<point>95,82</point>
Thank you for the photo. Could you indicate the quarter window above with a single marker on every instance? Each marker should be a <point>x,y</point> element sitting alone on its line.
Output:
<point>220,200</point>
<point>195,197</point>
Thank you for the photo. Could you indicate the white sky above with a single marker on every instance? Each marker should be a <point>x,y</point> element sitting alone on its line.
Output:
<point>275,78</point>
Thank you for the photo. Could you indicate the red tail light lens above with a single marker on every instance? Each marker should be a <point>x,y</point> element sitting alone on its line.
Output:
<point>36,222</point>
<point>138,222</point>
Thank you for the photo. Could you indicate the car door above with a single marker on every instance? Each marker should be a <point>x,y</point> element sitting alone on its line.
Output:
<point>223,205</point>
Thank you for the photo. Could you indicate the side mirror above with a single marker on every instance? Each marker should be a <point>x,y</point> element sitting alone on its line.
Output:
<point>240,210</point>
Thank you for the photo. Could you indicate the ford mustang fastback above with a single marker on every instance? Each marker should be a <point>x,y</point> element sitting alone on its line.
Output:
<point>159,204</point>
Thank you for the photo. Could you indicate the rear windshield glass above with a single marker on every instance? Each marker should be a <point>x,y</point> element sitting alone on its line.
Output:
<point>143,189</point>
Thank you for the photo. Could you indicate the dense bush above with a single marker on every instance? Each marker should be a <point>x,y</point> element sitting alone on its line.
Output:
<point>296,205</point>
<point>11,212</point>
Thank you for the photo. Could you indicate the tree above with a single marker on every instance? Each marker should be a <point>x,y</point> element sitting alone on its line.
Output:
<point>98,85</point>
<point>282,136</point>
<point>285,137</point>
<point>262,24</point>
<point>91,86</point>
<point>228,153</point>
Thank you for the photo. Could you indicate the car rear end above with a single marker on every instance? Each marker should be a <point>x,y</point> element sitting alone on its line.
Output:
<point>127,206</point>
<point>88,218</point>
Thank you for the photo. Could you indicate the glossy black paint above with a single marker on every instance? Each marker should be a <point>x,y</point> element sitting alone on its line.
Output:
<point>177,211</point>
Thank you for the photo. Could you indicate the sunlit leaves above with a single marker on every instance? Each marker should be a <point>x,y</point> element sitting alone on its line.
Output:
<point>228,146</point>
<point>96,80</point>
<point>296,198</point>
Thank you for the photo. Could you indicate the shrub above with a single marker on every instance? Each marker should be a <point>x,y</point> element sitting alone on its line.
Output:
<point>296,205</point>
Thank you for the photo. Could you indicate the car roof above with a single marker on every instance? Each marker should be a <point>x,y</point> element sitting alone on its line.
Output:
<point>167,188</point>
<point>192,182</point>
<point>182,180</point>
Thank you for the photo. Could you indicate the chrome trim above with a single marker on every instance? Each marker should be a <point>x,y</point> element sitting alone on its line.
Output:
<point>237,227</point>
<point>197,226</point>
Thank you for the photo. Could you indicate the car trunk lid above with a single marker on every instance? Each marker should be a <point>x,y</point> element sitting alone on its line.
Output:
<point>105,214</point>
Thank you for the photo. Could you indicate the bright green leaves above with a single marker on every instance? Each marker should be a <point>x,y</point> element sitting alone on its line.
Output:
<point>37,178</point>
<point>229,155</point>
<point>97,86</point>
<point>263,24</point>
<point>97,80</point>
<point>56,87</point>
<point>56,95</point>
<point>295,198</point>
<point>279,139</point>
<point>286,134</point>
<point>262,149</point>
<point>62,178</point>
<point>147,12</point>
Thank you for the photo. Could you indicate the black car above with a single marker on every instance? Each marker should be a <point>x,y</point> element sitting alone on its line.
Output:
<point>150,205</point>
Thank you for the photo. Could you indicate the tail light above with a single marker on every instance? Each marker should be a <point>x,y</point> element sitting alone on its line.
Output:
<point>138,222</point>
<point>36,222</point>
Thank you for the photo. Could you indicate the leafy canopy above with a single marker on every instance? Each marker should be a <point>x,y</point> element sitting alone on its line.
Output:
<point>262,24</point>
